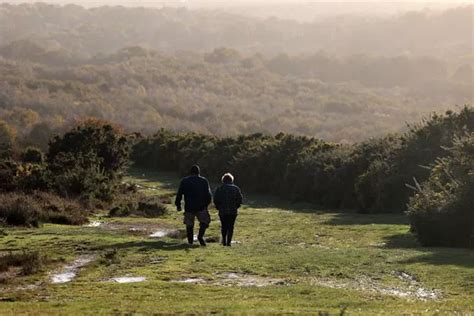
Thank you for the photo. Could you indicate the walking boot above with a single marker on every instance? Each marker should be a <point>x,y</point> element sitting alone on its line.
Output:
<point>230,233</point>
<point>190,234</point>
<point>202,230</point>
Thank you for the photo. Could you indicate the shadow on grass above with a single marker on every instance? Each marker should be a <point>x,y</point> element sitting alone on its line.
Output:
<point>167,180</point>
<point>430,255</point>
<point>144,245</point>
<point>353,218</point>
<point>260,201</point>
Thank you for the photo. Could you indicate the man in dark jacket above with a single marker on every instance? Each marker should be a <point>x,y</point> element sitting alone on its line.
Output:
<point>197,197</point>
<point>227,199</point>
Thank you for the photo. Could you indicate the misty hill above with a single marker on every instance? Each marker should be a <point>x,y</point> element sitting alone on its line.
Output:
<point>86,32</point>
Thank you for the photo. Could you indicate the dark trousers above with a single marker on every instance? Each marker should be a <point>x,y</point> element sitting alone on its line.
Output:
<point>227,227</point>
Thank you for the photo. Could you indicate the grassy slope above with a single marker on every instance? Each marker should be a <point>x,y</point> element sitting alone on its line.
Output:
<point>293,242</point>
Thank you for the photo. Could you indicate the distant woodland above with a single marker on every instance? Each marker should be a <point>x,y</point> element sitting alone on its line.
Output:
<point>86,32</point>
<point>340,79</point>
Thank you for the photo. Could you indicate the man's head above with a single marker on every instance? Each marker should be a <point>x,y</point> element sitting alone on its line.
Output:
<point>195,170</point>
<point>227,178</point>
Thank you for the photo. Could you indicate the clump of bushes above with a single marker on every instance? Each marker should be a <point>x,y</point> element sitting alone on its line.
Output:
<point>82,170</point>
<point>30,262</point>
<point>20,209</point>
<point>381,187</point>
<point>442,210</point>
<point>88,161</point>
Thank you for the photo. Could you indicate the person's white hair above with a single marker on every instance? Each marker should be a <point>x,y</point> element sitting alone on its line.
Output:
<point>227,178</point>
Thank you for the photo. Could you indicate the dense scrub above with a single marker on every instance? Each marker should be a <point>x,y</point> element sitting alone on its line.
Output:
<point>82,170</point>
<point>370,175</point>
<point>88,161</point>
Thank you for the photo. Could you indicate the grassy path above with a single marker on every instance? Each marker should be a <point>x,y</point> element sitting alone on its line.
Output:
<point>290,258</point>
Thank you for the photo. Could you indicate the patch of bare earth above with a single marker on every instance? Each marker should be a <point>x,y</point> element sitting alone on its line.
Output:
<point>410,289</point>
<point>69,271</point>
<point>235,279</point>
<point>139,228</point>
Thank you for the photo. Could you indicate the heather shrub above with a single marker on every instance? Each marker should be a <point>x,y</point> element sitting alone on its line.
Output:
<point>19,209</point>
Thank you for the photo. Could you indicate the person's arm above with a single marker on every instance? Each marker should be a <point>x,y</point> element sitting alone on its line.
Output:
<point>209,194</point>
<point>179,196</point>
<point>217,198</point>
<point>239,197</point>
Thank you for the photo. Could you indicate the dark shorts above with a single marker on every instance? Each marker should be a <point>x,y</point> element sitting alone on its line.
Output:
<point>203,217</point>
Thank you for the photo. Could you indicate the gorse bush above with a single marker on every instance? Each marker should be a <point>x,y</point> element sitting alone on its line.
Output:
<point>382,186</point>
<point>88,161</point>
<point>442,210</point>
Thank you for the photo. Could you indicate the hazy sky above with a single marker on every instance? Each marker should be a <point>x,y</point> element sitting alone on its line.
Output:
<point>304,10</point>
<point>244,2</point>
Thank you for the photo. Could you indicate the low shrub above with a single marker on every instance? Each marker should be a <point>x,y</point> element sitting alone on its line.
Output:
<point>58,210</point>
<point>19,209</point>
<point>30,262</point>
<point>442,210</point>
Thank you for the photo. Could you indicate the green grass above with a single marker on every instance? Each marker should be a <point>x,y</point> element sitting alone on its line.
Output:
<point>296,242</point>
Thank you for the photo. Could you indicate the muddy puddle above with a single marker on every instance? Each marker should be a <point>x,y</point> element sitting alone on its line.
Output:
<point>139,228</point>
<point>69,271</point>
<point>235,279</point>
<point>191,280</point>
<point>128,279</point>
<point>172,233</point>
<point>411,289</point>
<point>94,224</point>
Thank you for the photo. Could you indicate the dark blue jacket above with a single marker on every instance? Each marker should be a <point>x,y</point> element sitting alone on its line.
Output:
<point>228,198</point>
<point>197,194</point>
